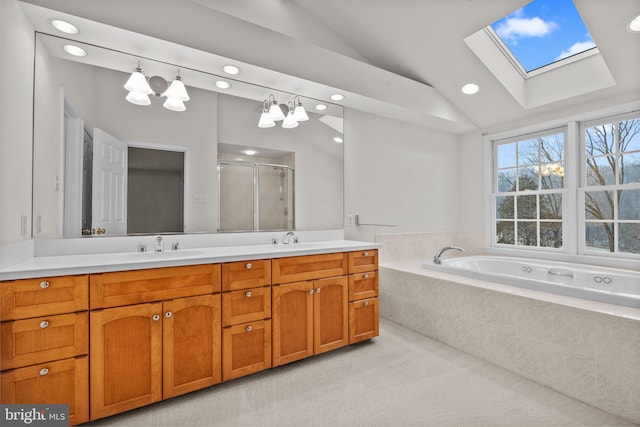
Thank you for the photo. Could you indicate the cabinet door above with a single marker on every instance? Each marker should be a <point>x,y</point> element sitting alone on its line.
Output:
<point>330,321</point>
<point>292,321</point>
<point>363,285</point>
<point>191,344</point>
<point>126,358</point>
<point>361,261</point>
<point>246,349</point>
<point>60,382</point>
<point>246,306</point>
<point>31,341</point>
<point>363,320</point>
<point>23,299</point>
<point>246,274</point>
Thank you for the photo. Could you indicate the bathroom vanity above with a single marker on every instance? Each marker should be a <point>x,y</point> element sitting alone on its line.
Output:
<point>118,334</point>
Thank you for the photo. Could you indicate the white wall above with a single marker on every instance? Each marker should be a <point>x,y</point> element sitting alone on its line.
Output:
<point>400,174</point>
<point>16,92</point>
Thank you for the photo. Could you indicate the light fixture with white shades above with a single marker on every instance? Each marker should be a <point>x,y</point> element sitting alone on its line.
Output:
<point>298,112</point>
<point>265,119</point>
<point>289,121</point>
<point>290,114</point>
<point>140,88</point>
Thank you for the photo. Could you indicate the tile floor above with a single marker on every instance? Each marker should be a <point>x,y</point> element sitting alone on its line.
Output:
<point>400,378</point>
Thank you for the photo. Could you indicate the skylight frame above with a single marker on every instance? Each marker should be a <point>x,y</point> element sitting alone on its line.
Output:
<point>504,49</point>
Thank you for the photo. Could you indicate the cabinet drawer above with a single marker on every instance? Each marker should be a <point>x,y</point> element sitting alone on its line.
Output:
<point>308,267</point>
<point>361,261</point>
<point>62,382</point>
<point>363,320</point>
<point>363,285</point>
<point>26,298</point>
<point>246,306</point>
<point>134,287</point>
<point>246,274</point>
<point>246,349</point>
<point>32,341</point>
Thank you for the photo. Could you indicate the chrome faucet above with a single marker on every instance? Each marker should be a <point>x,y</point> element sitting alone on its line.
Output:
<point>159,243</point>
<point>286,239</point>
<point>436,258</point>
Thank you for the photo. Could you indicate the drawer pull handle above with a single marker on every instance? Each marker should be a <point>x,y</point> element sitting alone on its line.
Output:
<point>44,371</point>
<point>318,290</point>
<point>44,284</point>
<point>365,275</point>
<point>366,303</point>
<point>310,291</point>
<point>156,317</point>
<point>248,294</point>
<point>249,328</point>
<point>248,266</point>
<point>366,254</point>
<point>44,324</point>
<point>168,314</point>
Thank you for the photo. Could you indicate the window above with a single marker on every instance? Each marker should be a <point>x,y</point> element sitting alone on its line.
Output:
<point>610,190</point>
<point>574,189</point>
<point>529,184</point>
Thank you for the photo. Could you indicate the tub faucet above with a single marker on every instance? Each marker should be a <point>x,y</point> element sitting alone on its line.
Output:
<point>436,258</point>
<point>286,239</point>
<point>159,243</point>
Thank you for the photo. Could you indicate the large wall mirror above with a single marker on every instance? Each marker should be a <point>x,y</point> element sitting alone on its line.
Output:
<point>103,165</point>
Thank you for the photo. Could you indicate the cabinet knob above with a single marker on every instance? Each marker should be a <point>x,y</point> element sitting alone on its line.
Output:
<point>248,294</point>
<point>366,303</point>
<point>248,266</point>
<point>365,275</point>
<point>168,314</point>
<point>156,317</point>
<point>366,254</point>
<point>310,291</point>
<point>44,324</point>
<point>318,290</point>
<point>44,371</point>
<point>44,284</point>
<point>249,328</point>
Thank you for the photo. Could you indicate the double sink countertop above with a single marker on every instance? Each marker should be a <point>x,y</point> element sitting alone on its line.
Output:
<point>120,261</point>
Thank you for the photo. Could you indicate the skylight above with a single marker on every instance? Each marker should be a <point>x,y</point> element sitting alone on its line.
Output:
<point>544,32</point>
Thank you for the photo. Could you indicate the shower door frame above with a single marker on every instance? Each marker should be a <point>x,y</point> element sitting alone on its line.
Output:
<point>256,193</point>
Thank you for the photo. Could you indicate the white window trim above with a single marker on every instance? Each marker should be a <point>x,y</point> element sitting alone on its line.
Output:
<point>573,231</point>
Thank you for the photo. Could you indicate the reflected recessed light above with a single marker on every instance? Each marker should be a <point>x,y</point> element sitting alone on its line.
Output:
<point>231,69</point>
<point>64,26</point>
<point>321,107</point>
<point>337,97</point>
<point>338,140</point>
<point>249,152</point>
<point>634,25</point>
<point>74,50</point>
<point>222,84</point>
<point>470,88</point>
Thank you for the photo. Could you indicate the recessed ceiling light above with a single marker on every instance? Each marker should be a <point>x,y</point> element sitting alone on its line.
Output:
<point>338,140</point>
<point>470,88</point>
<point>231,69</point>
<point>634,25</point>
<point>337,97</point>
<point>223,84</point>
<point>321,107</point>
<point>74,50</point>
<point>249,152</point>
<point>64,26</point>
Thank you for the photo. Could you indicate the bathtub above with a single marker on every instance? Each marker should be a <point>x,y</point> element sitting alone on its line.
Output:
<point>610,285</point>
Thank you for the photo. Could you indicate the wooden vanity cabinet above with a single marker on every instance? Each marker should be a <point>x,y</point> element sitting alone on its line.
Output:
<point>246,318</point>
<point>144,353</point>
<point>44,342</point>
<point>363,295</point>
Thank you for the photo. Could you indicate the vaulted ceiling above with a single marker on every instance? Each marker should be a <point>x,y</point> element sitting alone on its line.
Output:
<point>405,59</point>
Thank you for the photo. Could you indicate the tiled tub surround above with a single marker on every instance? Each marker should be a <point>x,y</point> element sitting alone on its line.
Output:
<point>585,349</point>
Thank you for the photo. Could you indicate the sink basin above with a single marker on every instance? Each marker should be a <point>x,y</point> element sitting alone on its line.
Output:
<point>134,256</point>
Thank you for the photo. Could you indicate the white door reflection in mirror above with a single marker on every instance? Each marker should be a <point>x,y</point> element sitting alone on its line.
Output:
<point>109,211</point>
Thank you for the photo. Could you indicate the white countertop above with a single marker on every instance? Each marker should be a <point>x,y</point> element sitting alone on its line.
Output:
<point>119,261</point>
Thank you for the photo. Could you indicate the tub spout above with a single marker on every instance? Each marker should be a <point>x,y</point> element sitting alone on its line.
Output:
<point>436,258</point>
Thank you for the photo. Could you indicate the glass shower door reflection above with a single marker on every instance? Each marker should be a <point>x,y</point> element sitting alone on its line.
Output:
<point>275,197</point>
<point>236,197</point>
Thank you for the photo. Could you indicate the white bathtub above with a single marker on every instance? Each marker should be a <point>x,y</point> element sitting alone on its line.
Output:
<point>610,285</point>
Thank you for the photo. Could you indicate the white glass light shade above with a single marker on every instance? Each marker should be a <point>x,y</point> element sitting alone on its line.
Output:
<point>177,90</point>
<point>174,104</point>
<point>300,114</point>
<point>289,121</point>
<point>275,112</point>
<point>138,98</point>
<point>137,82</point>
<point>265,121</point>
